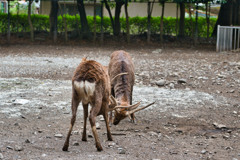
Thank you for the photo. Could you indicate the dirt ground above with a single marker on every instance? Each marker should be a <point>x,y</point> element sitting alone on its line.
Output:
<point>196,115</point>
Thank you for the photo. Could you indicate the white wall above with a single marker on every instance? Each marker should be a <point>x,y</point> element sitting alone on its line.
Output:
<point>134,9</point>
<point>140,9</point>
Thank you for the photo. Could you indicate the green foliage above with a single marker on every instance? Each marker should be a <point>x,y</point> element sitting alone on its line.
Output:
<point>138,25</point>
<point>21,8</point>
<point>199,1</point>
<point>19,23</point>
<point>202,26</point>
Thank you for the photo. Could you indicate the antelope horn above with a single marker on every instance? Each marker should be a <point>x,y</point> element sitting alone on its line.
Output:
<point>113,100</point>
<point>118,75</point>
<point>112,103</point>
<point>131,106</point>
<point>129,117</point>
<point>135,110</point>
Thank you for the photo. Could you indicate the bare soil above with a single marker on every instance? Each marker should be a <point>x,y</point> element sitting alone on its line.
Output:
<point>196,115</point>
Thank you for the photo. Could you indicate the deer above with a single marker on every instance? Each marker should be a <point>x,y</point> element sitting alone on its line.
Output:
<point>121,72</point>
<point>90,85</point>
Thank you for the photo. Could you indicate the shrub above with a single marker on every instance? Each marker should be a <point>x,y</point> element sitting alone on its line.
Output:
<point>138,25</point>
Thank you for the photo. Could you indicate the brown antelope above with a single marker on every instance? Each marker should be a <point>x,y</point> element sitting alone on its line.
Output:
<point>121,72</point>
<point>90,85</point>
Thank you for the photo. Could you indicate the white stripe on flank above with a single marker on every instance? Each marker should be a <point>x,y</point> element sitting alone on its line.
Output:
<point>90,88</point>
<point>85,89</point>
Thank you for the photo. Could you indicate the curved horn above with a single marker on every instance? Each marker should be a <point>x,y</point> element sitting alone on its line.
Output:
<point>112,103</point>
<point>135,110</point>
<point>119,75</point>
<point>130,106</point>
<point>113,100</point>
<point>133,107</point>
<point>130,117</point>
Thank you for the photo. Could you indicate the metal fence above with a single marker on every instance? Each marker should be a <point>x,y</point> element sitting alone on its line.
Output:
<point>228,38</point>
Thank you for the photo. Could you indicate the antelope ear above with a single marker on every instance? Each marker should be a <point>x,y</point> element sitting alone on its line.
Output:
<point>106,67</point>
<point>84,59</point>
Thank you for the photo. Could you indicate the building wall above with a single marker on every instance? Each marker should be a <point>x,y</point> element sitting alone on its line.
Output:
<point>140,9</point>
<point>45,7</point>
<point>134,9</point>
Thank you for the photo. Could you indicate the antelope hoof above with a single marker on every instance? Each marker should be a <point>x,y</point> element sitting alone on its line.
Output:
<point>65,148</point>
<point>132,121</point>
<point>110,138</point>
<point>99,148</point>
<point>84,139</point>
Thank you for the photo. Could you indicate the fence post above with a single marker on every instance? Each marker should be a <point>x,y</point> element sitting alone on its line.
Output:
<point>217,46</point>
<point>231,32</point>
<point>238,39</point>
<point>235,38</point>
<point>228,38</point>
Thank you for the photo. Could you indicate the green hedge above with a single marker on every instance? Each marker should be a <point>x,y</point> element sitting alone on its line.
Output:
<point>138,25</point>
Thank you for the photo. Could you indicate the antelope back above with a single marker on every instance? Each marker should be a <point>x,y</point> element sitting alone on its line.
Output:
<point>88,76</point>
<point>122,86</point>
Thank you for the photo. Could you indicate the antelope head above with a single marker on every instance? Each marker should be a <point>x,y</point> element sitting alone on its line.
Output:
<point>122,110</point>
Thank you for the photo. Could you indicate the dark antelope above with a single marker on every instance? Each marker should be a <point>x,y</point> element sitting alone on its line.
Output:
<point>121,72</point>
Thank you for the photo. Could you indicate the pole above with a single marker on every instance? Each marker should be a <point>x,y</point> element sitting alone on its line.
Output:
<point>101,22</point>
<point>196,27</point>
<point>8,33</point>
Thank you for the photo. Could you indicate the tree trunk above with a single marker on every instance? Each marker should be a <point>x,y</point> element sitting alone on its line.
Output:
<point>207,19</point>
<point>150,9</point>
<point>149,23</point>
<point>65,24</point>
<point>8,32</point>
<point>161,22</point>
<point>64,21</point>
<point>29,19</point>
<point>228,15</point>
<point>83,18</point>
<point>196,27</point>
<point>101,40</point>
<point>77,26</point>
<point>191,21</point>
<point>177,20</point>
<point>127,22</point>
<point>94,22</point>
<point>117,25</point>
<point>18,19</point>
<point>236,12</point>
<point>182,18</point>
<point>53,19</point>
<point>110,13</point>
